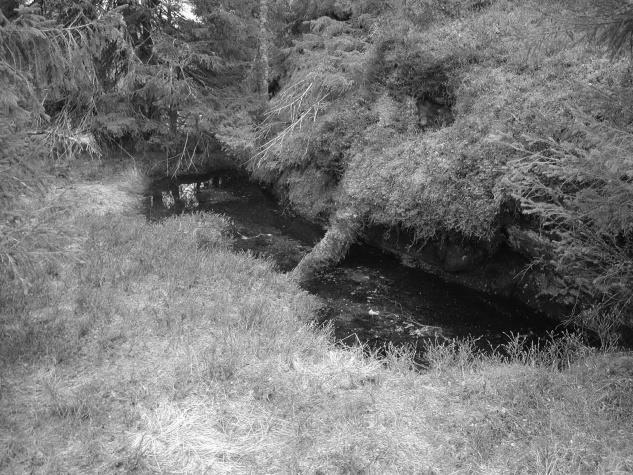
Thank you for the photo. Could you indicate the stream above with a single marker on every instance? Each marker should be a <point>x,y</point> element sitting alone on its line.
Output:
<point>369,297</point>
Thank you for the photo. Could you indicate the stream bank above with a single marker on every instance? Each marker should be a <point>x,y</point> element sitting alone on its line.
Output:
<point>370,297</point>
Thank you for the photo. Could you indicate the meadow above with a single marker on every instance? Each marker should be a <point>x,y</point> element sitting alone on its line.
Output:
<point>154,348</point>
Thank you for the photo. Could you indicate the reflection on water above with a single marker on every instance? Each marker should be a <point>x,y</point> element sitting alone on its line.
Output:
<point>370,297</point>
<point>258,224</point>
<point>183,196</point>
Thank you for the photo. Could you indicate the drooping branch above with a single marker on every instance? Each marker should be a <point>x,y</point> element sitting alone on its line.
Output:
<point>296,105</point>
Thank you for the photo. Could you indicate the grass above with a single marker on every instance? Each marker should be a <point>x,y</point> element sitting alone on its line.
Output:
<point>161,350</point>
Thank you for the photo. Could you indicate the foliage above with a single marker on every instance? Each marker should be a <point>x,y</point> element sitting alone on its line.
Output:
<point>46,63</point>
<point>379,75</point>
<point>537,121</point>
<point>541,119</point>
<point>313,120</point>
<point>582,199</point>
<point>94,74</point>
<point>571,172</point>
<point>139,74</point>
<point>46,68</point>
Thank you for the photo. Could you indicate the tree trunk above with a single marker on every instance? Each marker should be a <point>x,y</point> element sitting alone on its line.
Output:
<point>343,232</point>
<point>263,49</point>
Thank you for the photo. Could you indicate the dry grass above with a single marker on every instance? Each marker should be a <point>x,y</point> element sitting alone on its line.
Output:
<point>163,351</point>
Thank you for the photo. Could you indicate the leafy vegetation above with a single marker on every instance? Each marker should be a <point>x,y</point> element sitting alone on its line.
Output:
<point>139,75</point>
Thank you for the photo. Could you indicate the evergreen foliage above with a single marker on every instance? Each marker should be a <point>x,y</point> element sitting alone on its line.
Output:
<point>134,74</point>
<point>76,76</point>
<point>29,246</point>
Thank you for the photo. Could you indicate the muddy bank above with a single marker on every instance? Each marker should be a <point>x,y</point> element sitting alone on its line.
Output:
<point>493,268</point>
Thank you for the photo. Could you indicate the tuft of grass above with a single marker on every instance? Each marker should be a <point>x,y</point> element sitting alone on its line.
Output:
<point>79,403</point>
<point>453,353</point>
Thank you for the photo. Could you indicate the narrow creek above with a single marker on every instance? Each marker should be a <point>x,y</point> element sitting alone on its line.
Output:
<point>370,297</point>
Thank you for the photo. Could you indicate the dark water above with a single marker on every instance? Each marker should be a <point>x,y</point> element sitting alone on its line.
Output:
<point>370,297</point>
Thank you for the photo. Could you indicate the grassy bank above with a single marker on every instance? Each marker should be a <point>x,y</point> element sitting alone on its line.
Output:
<point>155,348</point>
<point>498,123</point>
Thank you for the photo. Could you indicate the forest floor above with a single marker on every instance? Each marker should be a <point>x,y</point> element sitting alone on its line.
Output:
<point>153,347</point>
